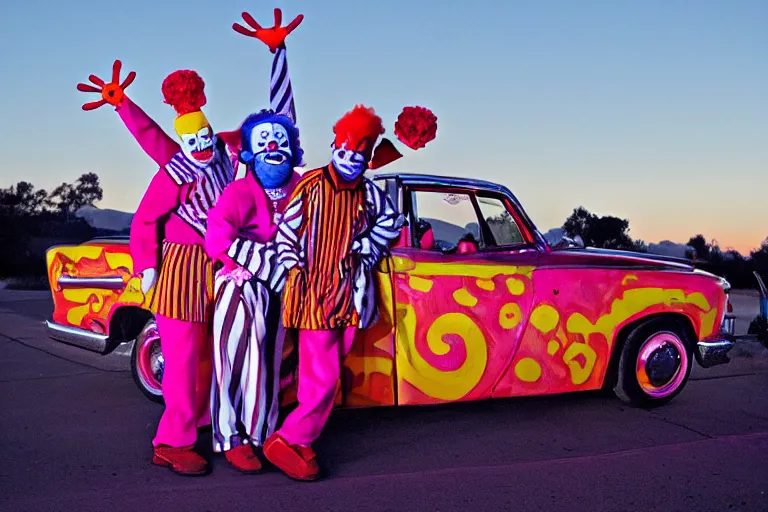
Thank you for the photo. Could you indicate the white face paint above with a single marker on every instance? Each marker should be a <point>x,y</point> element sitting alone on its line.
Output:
<point>272,140</point>
<point>198,147</point>
<point>349,164</point>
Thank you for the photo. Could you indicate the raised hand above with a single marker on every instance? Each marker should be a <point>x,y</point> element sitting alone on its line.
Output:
<point>274,36</point>
<point>112,92</point>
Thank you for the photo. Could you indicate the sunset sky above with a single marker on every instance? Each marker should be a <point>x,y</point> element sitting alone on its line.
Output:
<point>654,111</point>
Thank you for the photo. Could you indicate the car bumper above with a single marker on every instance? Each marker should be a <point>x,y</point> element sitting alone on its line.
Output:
<point>99,343</point>
<point>714,350</point>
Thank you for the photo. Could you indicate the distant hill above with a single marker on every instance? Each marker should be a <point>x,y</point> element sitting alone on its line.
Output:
<point>105,220</point>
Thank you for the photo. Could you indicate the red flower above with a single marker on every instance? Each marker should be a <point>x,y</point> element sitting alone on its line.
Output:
<point>415,126</point>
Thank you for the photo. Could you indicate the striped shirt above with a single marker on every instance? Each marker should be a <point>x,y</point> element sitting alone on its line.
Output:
<point>330,239</point>
<point>207,183</point>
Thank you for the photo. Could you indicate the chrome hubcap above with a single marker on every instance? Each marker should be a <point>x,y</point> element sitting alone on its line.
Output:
<point>662,364</point>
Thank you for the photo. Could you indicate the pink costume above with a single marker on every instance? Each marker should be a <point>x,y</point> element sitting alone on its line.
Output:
<point>190,180</point>
<point>186,344</point>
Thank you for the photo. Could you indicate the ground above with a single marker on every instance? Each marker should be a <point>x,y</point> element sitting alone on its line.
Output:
<point>75,435</point>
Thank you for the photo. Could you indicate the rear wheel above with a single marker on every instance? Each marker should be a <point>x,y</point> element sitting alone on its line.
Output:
<point>655,363</point>
<point>147,362</point>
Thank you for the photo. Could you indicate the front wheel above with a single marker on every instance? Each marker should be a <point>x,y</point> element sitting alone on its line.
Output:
<point>655,364</point>
<point>147,362</point>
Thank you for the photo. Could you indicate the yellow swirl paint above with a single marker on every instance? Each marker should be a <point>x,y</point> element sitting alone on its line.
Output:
<point>510,315</point>
<point>132,292</point>
<point>486,284</point>
<point>400,264</point>
<point>117,260</point>
<point>464,298</point>
<point>628,278</point>
<point>419,284</point>
<point>515,286</point>
<point>76,314</point>
<point>708,323</point>
<point>552,347</point>
<point>441,385</point>
<point>477,271</point>
<point>579,374</point>
<point>545,318</point>
<point>528,370</point>
<point>631,303</point>
<point>92,300</point>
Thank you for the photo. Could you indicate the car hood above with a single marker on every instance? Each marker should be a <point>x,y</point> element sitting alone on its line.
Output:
<point>625,259</point>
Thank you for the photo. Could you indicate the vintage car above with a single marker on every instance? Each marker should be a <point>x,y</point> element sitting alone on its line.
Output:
<point>468,313</point>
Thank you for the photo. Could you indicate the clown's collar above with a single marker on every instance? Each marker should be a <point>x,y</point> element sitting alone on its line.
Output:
<point>337,182</point>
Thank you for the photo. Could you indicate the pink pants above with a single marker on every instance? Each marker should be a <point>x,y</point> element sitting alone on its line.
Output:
<point>186,381</point>
<point>320,356</point>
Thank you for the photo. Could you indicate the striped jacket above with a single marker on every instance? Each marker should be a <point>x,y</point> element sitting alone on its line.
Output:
<point>327,252</point>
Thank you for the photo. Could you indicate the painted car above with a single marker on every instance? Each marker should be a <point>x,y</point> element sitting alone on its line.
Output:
<point>475,305</point>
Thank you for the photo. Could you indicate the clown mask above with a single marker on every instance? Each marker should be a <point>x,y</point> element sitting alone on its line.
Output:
<point>197,139</point>
<point>350,158</point>
<point>356,134</point>
<point>270,154</point>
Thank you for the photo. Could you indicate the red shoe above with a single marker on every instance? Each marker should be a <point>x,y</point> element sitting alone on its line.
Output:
<point>243,459</point>
<point>298,462</point>
<point>181,460</point>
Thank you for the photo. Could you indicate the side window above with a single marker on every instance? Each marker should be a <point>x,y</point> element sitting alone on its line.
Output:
<point>443,220</point>
<point>499,221</point>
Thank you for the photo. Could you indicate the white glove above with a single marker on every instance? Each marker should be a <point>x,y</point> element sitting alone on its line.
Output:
<point>238,275</point>
<point>147,280</point>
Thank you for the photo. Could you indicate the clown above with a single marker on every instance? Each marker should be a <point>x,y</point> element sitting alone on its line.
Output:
<point>336,229</point>
<point>191,178</point>
<point>248,348</point>
<point>248,341</point>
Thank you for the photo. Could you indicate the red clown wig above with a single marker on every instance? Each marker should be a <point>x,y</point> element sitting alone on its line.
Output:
<point>358,129</point>
<point>184,90</point>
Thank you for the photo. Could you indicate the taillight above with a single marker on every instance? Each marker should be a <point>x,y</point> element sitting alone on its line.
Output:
<point>730,306</point>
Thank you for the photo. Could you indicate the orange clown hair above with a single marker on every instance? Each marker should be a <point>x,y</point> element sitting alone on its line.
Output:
<point>184,90</point>
<point>359,128</point>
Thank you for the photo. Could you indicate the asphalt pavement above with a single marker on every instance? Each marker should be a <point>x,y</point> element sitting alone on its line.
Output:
<point>75,436</point>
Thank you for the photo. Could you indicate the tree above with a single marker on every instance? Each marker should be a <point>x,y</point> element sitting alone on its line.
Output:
<point>760,259</point>
<point>606,232</point>
<point>85,191</point>
<point>23,200</point>
<point>699,247</point>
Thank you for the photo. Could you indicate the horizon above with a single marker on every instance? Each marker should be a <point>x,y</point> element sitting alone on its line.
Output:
<point>657,113</point>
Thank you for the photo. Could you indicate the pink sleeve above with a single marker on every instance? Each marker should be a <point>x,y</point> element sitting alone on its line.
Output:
<point>224,224</point>
<point>241,209</point>
<point>152,139</point>
<point>162,197</point>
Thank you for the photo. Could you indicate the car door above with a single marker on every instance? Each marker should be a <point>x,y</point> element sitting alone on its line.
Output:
<point>463,293</point>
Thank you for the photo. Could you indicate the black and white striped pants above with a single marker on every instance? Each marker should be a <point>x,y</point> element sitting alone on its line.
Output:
<point>248,348</point>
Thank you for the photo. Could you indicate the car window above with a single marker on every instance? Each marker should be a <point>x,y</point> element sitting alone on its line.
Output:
<point>450,216</point>
<point>502,225</point>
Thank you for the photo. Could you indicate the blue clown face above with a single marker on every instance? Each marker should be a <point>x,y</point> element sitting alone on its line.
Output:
<point>270,147</point>
<point>272,154</point>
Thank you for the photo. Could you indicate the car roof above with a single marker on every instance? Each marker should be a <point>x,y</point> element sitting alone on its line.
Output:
<point>469,183</point>
<point>432,179</point>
